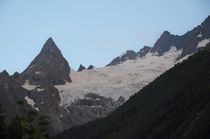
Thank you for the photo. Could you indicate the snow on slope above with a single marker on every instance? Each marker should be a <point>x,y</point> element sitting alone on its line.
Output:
<point>203,43</point>
<point>120,80</point>
<point>31,102</point>
<point>29,87</point>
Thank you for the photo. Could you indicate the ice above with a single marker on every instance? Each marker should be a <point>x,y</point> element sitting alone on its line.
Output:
<point>120,80</point>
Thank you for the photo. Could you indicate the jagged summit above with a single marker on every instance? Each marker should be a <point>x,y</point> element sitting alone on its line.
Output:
<point>49,66</point>
<point>50,47</point>
<point>142,52</point>
<point>190,42</point>
<point>90,67</point>
<point>81,68</point>
<point>4,74</point>
<point>128,55</point>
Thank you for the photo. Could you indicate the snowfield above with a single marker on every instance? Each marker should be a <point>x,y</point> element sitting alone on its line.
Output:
<point>114,81</point>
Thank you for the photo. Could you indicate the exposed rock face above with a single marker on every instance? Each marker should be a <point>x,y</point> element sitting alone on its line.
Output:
<point>4,75</point>
<point>90,108</point>
<point>90,67</point>
<point>10,93</point>
<point>44,99</point>
<point>142,53</point>
<point>187,42</point>
<point>81,68</point>
<point>48,67</point>
<point>47,100</point>
<point>36,87</point>
<point>128,55</point>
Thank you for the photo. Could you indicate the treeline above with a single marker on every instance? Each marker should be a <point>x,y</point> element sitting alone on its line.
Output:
<point>28,125</point>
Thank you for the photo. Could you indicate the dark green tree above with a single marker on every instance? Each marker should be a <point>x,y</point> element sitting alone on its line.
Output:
<point>29,125</point>
<point>2,126</point>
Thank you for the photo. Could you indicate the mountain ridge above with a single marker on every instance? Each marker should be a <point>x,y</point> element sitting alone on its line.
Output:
<point>187,42</point>
<point>74,98</point>
<point>175,105</point>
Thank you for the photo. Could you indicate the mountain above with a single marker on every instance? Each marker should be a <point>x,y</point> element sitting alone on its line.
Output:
<point>189,43</point>
<point>48,67</point>
<point>118,82</point>
<point>137,70</point>
<point>122,80</point>
<point>71,98</point>
<point>35,86</point>
<point>175,105</point>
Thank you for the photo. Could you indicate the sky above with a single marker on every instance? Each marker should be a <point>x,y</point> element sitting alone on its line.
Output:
<point>90,31</point>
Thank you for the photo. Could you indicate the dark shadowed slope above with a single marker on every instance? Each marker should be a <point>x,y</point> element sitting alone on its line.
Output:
<point>174,106</point>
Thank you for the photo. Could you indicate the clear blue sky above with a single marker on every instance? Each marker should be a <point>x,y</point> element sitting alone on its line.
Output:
<point>90,31</point>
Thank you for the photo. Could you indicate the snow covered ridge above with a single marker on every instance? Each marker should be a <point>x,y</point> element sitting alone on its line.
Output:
<point>121,80</point>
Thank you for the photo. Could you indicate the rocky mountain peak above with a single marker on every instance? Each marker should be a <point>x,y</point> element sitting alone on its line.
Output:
<point>4,74</point>
<point>142,53</point>
<point>90,67</point>
<point>188,42</point>
<point>128,55</point>
<point>166,34</point>
<point>50,47</point>
<point>164,43</point>
<point>81,68</point>
<point>48,67</point>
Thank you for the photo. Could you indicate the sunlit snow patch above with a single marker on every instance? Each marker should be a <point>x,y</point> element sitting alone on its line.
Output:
<point>203,43</point>
<point>31,102</point>
<point>29,87</point>
<point>199,35</point>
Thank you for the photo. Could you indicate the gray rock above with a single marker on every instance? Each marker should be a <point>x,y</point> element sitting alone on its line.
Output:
<point>81,68</point>
<point>49,67</point>
<point>142,52</point>
<point>129,55</point>
<point>90,67</point>
<point>187,42</point>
